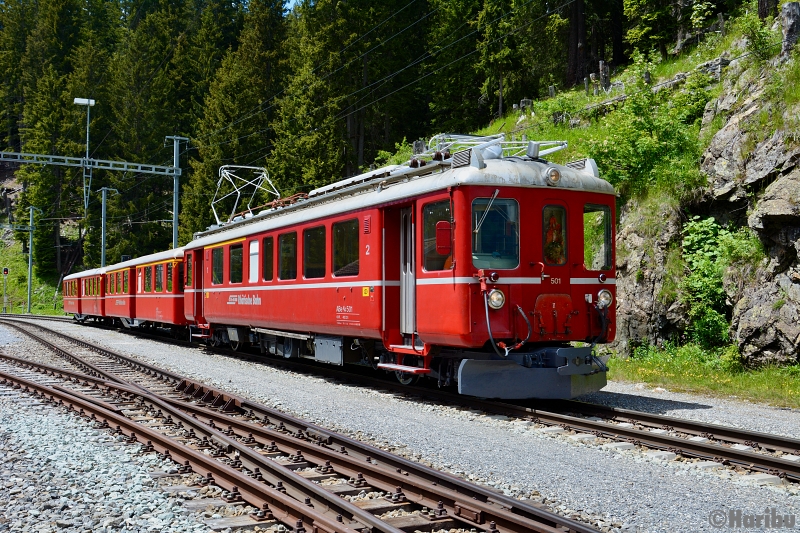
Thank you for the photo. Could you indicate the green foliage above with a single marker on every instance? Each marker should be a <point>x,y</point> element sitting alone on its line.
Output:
<point>650,144</point>
<point>653,24</point>
<point>760,40</point>
<point>702,290</point>
<point>403,152</point>
<point>690,101</point>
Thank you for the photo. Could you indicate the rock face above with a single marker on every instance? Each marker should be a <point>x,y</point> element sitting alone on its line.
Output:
<point>642,316</point>
<point>754,180</point>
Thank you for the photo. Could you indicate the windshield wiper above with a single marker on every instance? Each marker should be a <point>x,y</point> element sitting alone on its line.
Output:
<point>488,207</point>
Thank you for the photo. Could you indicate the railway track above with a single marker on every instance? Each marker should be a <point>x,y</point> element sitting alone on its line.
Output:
<point>755,452</point>
<point>293,472</point>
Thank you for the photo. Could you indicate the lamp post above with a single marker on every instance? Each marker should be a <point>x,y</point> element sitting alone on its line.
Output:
<point>87,170</point>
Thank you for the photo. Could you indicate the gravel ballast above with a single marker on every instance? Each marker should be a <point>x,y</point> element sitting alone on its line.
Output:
<point>59,474</point>
<point>617,491</point>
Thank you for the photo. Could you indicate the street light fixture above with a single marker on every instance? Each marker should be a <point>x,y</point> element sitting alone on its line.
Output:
<point>87,170</point>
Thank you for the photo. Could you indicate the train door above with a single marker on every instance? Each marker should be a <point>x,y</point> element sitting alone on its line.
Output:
<point>408,284</point>
<point>554,306</point>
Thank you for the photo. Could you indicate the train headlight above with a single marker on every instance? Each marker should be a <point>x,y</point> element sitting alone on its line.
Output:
<point>604,298</point>
<point>496,299</point>
<point>552,176</point>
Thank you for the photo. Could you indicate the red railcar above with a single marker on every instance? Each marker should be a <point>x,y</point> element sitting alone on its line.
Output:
<point>157,280</point>
<point>88,290</point>
<point>70,291</point>
<point>120,292</point>
<point>478,268</point>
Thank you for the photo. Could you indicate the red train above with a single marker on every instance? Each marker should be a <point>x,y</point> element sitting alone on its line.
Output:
<point>488,268</point>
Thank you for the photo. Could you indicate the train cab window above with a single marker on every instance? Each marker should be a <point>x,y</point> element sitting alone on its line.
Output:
<point>554,235</point>
<point>148,279</point>
<point>159,278</point>
<point>495,233</point>
<point>287,246</point>
<point>431,215</point>
<point>252,265</point>
<point>267,260</point>
<point>345,248</point>
<point>314,252</point>
<point>217,257</point>
<point>596,237</point>
<point>188,270</point>
<point>125,282</point>
<point>235,263</point>
<point>170,266</point>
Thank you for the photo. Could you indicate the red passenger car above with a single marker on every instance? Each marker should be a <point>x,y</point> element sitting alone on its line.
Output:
<point>159,288</point>
<point>89,288</point>
<point>120,292</point>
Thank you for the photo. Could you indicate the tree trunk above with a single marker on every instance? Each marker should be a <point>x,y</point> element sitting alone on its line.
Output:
<point>576,60</point>
<point>617,34</point>
<point>767,8</point>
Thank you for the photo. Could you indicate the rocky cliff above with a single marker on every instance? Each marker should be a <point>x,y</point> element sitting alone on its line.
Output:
<point>753,179</point>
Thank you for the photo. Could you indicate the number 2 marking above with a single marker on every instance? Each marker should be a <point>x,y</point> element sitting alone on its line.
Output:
<point>368,249</point>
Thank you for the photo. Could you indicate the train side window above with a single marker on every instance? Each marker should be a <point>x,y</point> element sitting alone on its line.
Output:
<point>139,279</point>
<point>216,265</point>
<point>188,270</point>
<point>287,246</point>
<point>597,237</point>
<point>495,233</point>
<point>148,279</point>
<point>267,260</point>
<point>252,268</point>
<point>170,266</point>
<point>431,214</point>
<point>345,248</point>
<point>119,282</point>
<point>180,277</point>
<point>125,282</point>
<point>314,252</point>
<point>159,278</point>
<point>554,234</point>
<point>235,263</point>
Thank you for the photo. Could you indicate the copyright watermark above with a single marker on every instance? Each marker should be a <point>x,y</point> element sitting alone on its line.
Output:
<point>735,518</point>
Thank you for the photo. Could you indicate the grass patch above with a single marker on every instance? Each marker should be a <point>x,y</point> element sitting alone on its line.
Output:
<point>42,291</point>
<point>690,368</point>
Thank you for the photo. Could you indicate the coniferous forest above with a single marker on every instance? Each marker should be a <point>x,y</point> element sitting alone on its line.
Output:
<point>312,91</point>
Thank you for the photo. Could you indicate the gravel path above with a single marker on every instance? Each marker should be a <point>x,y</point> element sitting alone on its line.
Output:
<point>625,491</point>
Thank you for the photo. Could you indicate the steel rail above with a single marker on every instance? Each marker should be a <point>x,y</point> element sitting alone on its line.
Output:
<point>285,508</point>
<point>692,427</point>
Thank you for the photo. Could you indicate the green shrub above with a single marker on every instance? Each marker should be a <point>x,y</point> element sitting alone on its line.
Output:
<point>760,40</point>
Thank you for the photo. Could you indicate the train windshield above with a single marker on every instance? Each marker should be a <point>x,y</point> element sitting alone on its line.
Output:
<point>495,235</point>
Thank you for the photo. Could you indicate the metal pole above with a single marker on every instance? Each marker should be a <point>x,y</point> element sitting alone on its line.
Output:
<point>176,163</point>
<point>103,231</point>
<point>30,257</point>
<point>5,296</point>
<point>104,190</point>
<point>87,188</point>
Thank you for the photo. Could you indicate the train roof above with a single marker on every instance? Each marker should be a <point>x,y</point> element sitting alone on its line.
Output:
<point>85,273</point>
<point>177,253</point>
<point>482,164</point>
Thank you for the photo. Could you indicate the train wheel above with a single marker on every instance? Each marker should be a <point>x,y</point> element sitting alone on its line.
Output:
<point>406,379</point>
<point>235,345</point>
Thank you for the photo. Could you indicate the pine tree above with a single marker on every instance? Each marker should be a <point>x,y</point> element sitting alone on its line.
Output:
<point>237,110</point>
